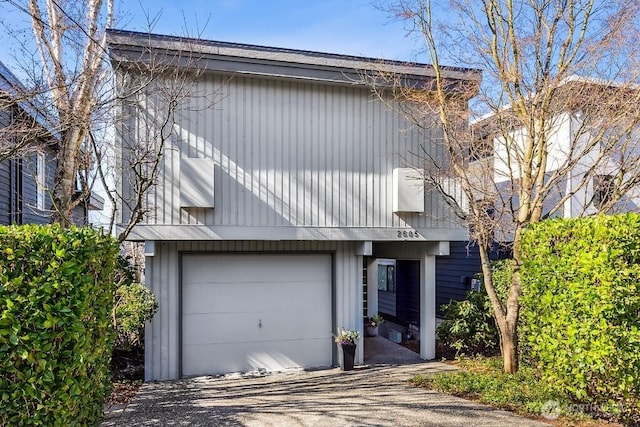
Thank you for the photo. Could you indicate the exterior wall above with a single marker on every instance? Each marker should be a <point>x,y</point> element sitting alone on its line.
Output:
<point>387,303</point>
<point>291,154</point>
<point>408,291</point>
<point>507,152</point>
<point>162,337</point>
<point>568,129</point>
<point>27,202</point>
<point>5,191</point>
<point>452,271</point>
<point>5,177</point>
<point>30,212</point>
<point>15,173</point>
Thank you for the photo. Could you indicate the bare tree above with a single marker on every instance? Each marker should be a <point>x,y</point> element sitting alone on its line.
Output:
<point>74,87</point>
<point>548,66</point>
<point>70,38</point>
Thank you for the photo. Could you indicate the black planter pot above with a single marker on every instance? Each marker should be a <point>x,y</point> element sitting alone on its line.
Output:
<point>347,354</point>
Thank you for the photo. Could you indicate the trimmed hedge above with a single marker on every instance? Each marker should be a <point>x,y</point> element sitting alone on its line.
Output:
<point>581,307</point>
<point>56,336</point>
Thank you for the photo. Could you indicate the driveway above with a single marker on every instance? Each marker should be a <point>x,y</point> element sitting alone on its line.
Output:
<point>368,396</point>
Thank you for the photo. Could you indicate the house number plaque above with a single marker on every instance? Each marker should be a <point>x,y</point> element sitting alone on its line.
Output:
<point>408,234</point>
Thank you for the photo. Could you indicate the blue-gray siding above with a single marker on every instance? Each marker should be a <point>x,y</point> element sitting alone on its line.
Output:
<point>18,186</point>
<point>453,271</point>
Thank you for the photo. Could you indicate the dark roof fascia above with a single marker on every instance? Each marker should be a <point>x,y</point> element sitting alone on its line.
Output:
<point>237,58</point>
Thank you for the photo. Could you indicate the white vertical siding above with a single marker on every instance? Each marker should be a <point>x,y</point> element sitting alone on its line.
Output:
<point>292,153</point>
<point>162,338</point>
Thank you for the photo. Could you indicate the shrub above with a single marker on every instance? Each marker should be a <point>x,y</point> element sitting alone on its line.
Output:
<point>56,337</point>
<point>469,327</point>
<point>580,307</point>
<point>135,305</point>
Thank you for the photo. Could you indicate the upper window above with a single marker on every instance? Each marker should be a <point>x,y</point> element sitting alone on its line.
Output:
<point>386,278</point>
<point>603,186</point>
<point>41,180</point>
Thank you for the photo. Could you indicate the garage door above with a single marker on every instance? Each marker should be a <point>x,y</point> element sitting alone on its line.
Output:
<point>246,312</point>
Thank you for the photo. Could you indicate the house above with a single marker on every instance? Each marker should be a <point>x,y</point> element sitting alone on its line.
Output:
<point>26,179</point>
<point>277,208</point>
<point>591,139</point>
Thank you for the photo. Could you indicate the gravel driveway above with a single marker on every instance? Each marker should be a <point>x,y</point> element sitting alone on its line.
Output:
<point>368,396</point>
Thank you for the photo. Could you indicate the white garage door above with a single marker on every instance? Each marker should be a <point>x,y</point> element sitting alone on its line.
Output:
<point>245,312</point>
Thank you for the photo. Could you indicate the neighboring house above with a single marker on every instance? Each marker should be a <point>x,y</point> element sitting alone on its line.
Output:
<point>578,133</point>
<point>496,171</point>
<point>26,180</point>
<point>278,209</point>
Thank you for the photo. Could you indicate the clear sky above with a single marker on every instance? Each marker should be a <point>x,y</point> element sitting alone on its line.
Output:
<point>354,27</point>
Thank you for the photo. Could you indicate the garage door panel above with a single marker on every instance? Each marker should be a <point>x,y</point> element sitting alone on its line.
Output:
<point>243,357</point>
<point>222,297</point>
<point>226,266</point>
<point>242,312</point>
<point>243,327</point>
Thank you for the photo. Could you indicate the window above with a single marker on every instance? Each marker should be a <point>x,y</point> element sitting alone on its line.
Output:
<point>603,186</point>
<point>481,147</point>
<point>41,180</point>
<point>386,277</point>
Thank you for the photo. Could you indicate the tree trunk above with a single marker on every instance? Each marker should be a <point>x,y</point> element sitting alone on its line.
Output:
<point>65,177</point>
<point>509,347</point>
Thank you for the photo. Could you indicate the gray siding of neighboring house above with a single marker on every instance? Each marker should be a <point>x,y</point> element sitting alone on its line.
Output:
<point>5,191</point>
<point>20,173</point>
<point>5,176</point>
<point>30,212</point>
<point>10,204</point>
<point>291,153</point>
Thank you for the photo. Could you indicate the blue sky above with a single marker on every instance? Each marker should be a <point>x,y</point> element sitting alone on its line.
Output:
<point>354,27</point>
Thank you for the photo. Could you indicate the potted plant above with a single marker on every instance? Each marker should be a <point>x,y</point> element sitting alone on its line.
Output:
<point>346,340</point>
<point>371,327</point>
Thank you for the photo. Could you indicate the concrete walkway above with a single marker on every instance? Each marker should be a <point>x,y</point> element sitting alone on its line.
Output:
<point>366,396</point>
<point>381,351</point>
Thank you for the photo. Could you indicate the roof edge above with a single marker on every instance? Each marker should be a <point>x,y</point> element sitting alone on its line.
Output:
<point>133,40</point>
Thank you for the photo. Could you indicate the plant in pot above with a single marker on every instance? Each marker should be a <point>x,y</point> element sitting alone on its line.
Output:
<point>371,327</point>
<point>346,340</point>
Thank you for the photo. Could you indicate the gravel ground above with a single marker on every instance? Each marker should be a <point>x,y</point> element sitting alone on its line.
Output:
<point>366,396</point>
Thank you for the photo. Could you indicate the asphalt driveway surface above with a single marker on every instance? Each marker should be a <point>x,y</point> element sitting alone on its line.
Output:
<point>368,396</point>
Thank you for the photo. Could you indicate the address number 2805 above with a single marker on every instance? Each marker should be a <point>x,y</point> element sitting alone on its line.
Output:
<point>408,234</point>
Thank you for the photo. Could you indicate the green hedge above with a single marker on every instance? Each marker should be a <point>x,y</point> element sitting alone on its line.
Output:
<point>56,336</point>
<point>135,305</point>
<point>581,307</point>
